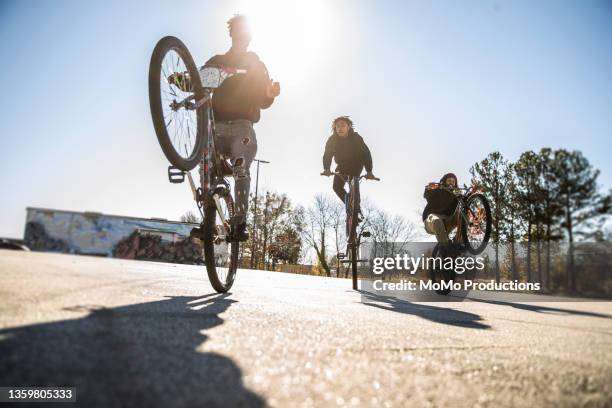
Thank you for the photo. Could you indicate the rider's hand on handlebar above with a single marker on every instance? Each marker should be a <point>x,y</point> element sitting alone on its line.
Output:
<point>371,176</point>
<point>273,89</point>
<point>180,80</point>
<point>476,188</point>
<point>327,172</point>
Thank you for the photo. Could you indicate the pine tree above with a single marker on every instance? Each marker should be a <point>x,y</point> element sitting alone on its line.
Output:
<point>578,196</point>
<point>494,175</point>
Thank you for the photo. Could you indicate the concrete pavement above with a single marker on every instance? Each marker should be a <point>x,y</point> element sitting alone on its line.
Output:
<point>131,333</point>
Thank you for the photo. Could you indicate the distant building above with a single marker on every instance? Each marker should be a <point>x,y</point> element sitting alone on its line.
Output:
<point>90,233</point>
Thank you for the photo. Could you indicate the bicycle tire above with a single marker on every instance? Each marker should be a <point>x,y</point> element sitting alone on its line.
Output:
<point>353,257</point>
<point>445,275</point>
<point>488,224</point>
<point>213,270</point>
<point>164,46</point>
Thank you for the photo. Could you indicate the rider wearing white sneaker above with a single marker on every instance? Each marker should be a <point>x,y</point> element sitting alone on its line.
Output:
<point>237,104</point>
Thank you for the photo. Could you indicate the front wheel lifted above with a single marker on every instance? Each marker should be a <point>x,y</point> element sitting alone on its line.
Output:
<point>174,88</point>
<point>476,223</point>
<point>220,254</point>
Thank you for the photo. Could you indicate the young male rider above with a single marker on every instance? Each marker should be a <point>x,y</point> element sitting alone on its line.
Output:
<point>350,153</point>
<point>439,215</point>
<point>236,105</point>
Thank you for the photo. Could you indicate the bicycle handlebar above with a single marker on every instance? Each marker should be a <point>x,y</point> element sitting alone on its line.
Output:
<point>465,190</point>
<point>226,69</point>
<point>346,176</point>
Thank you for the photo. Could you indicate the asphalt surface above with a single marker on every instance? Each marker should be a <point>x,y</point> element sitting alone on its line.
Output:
<point>131,333</point>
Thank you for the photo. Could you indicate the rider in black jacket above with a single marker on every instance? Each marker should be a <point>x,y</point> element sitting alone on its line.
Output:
<point>237,104</point>
<point>350,152</point>
<point>439,214</point>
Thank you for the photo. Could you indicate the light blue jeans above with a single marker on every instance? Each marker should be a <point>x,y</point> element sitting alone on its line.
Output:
<point>236,140</point>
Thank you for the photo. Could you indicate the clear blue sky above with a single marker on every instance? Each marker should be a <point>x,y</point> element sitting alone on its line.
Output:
<point>433,86</point>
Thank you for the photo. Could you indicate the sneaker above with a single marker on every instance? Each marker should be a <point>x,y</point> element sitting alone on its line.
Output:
<point>444,249</point>
<point>450,250</point>
<point>197,232</point>
<point>457,249</point>
<point>239,232</point>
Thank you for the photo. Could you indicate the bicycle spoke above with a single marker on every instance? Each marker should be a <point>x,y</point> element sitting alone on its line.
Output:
<point>180,123</point>
<point>476,220</point>
<point>223,249</point>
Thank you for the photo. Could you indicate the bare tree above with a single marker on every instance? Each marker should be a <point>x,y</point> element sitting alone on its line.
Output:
<point>338,228</point>
<point>277,234</point>
<point>391,232</point>
<point>338,222</point>
<point>191,217</point>
<point>319,221</point>
<point>368,214</point>
<point>495,174</point>
<point>276,208</point>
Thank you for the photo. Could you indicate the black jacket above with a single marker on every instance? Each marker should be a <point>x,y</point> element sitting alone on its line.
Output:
<point>351,154</point>
<point>243,95</point>
<point>440,201</point>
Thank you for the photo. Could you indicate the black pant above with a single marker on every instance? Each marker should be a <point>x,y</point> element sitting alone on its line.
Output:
<point>339,188</point>
<point>342,193</point>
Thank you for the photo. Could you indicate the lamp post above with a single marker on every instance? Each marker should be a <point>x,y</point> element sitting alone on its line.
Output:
<point>254,239</point>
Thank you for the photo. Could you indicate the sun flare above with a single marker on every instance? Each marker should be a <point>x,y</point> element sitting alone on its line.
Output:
<point>290,37</point>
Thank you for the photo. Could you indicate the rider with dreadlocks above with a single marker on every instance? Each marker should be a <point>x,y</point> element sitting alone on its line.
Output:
<point>350,153</point>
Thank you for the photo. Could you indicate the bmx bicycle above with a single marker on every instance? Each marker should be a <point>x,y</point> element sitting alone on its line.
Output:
<point>472,232</point>
<point>352,220</point>
<point>180,98</point>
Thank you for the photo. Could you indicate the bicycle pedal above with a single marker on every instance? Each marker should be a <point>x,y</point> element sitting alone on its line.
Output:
<point>175,175</point>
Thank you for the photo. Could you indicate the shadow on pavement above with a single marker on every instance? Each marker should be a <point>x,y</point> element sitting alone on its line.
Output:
<point>436,314</point>
<point>137,355</point>
<point>540,309</point>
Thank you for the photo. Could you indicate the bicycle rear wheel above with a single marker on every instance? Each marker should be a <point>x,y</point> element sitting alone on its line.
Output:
<point>441,275</point>
<point>220,256</point>
<point>178,125</point>
<point>476,223</point>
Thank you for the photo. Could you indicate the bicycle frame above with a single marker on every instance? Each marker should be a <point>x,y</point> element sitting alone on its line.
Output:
<point>349,179</point>
<point>461,205</point>
<point>352,245</point>
<point>460,216</point>
<point>209,183</point>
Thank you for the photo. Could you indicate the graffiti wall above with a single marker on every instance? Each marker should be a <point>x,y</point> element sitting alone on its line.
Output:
<point>110,235</point>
